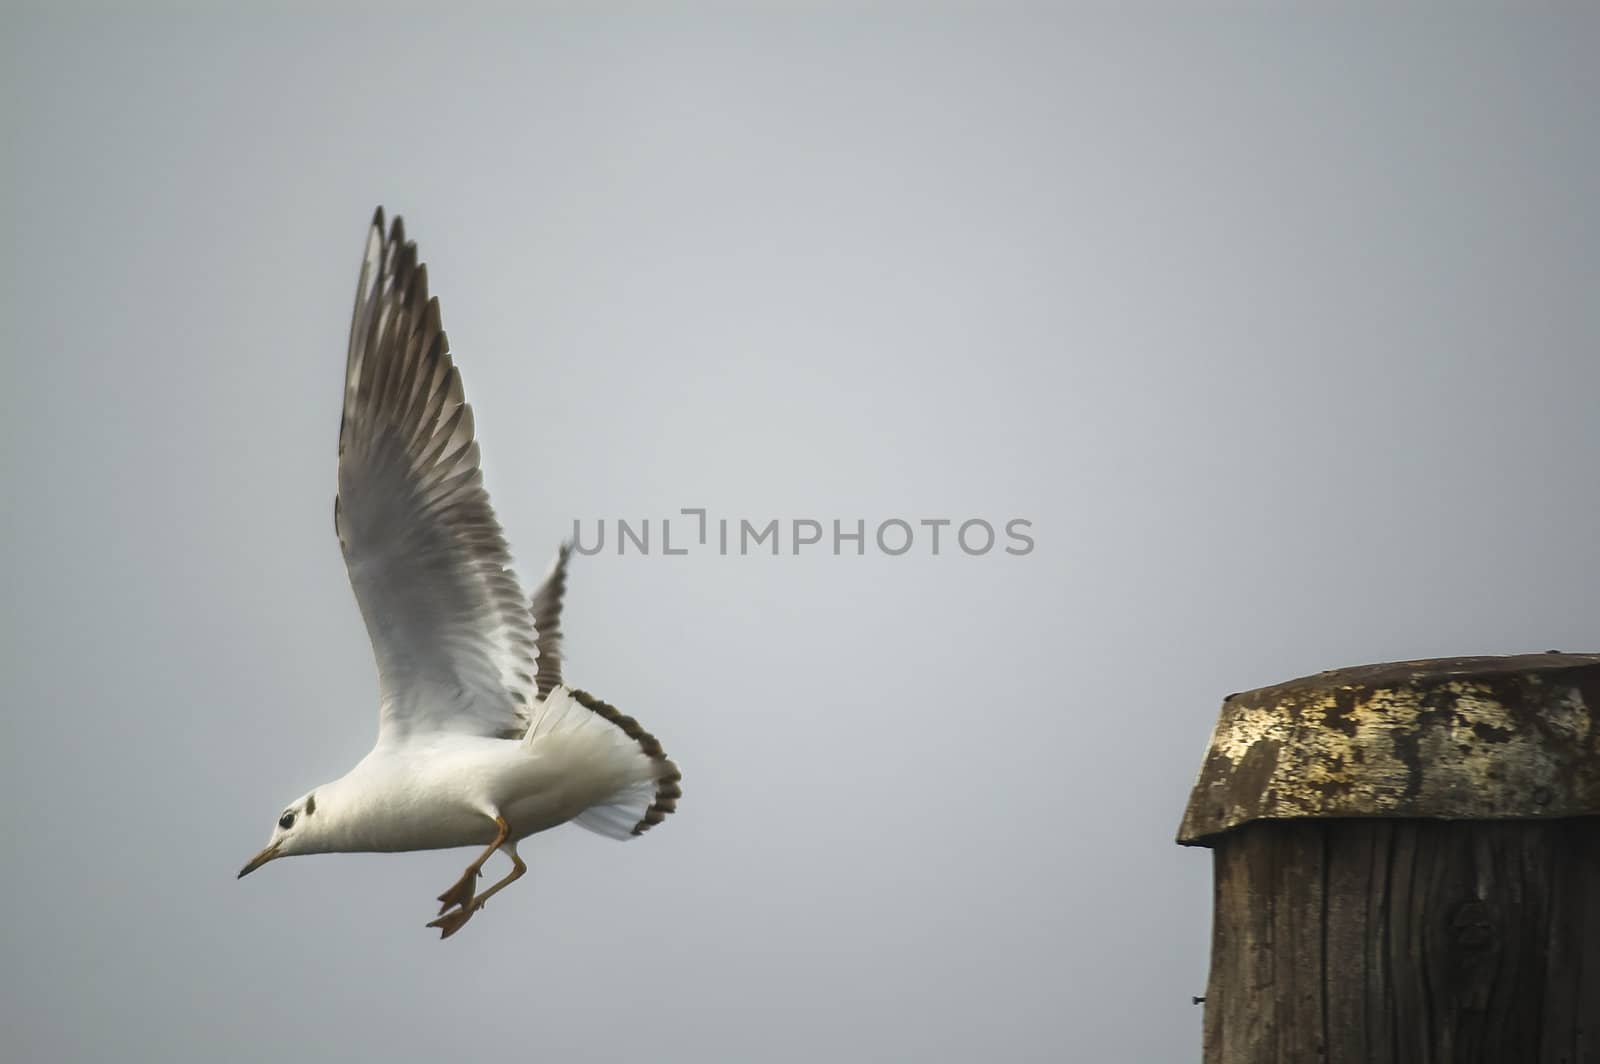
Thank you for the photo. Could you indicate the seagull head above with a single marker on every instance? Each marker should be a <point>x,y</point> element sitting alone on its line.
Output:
<point>292,834</point>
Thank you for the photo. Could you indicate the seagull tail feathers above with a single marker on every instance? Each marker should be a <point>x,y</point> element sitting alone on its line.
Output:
<point>646,782</point>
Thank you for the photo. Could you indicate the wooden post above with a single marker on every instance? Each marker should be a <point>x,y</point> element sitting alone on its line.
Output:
<point>1407,865</point>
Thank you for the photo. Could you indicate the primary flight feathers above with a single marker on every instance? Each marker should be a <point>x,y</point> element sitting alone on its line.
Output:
<point>454,640</point>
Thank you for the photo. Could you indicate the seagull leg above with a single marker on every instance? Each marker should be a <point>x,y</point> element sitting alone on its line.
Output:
<point>460,893</point>
<point>451,922</point>
<point>517,869</point>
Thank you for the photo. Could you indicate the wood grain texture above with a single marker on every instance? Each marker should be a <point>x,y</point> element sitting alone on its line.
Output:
<point>1374,941</point>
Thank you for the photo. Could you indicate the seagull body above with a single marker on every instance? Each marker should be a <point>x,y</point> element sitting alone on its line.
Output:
<point>437,791</point>
<point>480,743</point>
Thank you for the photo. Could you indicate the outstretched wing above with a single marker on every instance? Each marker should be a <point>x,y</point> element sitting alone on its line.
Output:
<point>451,631</point>
<point>546,610</point>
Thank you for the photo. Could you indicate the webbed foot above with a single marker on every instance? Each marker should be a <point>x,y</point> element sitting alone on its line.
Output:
<point>460,893</point>
<point>450,923</point>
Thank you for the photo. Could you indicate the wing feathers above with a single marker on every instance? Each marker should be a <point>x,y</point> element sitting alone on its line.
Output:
<point>546,609</point>
<point>452,634</point>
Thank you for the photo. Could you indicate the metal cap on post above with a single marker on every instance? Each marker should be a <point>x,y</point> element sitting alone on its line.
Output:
<point>1407,865</point>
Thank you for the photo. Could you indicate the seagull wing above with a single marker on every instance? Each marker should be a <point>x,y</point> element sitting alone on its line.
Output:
<point>546,610</point>
<point>453,636</point>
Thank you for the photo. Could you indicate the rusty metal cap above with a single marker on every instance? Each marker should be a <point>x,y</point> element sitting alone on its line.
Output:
<point>1451,738</point>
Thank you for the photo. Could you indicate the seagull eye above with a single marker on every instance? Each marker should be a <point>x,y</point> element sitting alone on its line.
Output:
<point>286,821</point>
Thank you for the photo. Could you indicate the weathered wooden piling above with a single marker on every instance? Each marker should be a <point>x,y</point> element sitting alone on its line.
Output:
<point>1406,865</point>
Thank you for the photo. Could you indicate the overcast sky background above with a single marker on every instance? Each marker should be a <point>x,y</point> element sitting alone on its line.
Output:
<point>1281,330</point>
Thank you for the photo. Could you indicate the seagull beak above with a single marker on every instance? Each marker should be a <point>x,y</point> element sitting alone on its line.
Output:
<point>260,859</point>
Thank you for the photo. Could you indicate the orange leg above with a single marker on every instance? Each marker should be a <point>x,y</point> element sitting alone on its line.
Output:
<point>461,892</point>
<point>517,869</point>
<point>452,922</point>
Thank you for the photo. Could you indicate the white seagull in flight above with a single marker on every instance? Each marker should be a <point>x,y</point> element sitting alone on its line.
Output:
<point>479,741</point>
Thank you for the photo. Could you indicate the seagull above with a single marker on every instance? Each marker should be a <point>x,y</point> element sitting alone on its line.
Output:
<point>480,743</point>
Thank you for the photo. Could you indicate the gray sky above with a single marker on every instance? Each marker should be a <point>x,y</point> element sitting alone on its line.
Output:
<point>1280,330</point>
